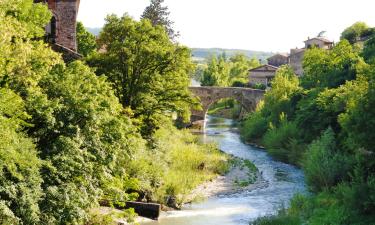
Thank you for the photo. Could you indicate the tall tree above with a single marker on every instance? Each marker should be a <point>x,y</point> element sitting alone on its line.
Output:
<point>158,15</point>
<point>149,73</point>
<point>239,67</point>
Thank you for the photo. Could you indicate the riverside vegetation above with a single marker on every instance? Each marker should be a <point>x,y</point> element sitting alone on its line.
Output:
<point>72,135</point>
<point>323,122</point>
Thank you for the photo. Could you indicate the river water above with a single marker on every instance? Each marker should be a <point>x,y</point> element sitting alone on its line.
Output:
<point>236,209</point>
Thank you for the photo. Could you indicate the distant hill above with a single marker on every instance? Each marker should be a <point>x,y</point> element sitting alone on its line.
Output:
<point>94,30</point>
<point>203,53</point>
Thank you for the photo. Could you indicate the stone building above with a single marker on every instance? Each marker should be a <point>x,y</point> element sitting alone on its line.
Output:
<point>61,31</point>
<point>265,73</point>
<point>262,75</point>
<point>278,60</point>
<point>295,60</point>
<point>296,55</point>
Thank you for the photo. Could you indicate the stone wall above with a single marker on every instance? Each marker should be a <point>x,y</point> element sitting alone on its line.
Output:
<point>296,59</point>
<point>65,12</point>
<point>278,60</point>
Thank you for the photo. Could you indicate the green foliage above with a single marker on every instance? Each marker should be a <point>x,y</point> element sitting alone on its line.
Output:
<point>324,164</point>
<point>328,133</point>
<point>217,72</point>
<point>277,140</point>
<point>259,86</point>
<point>355,32</point>
<point>358,120</point>
<point>149,73</point>
<point>20,181</point>
<point>282,218</point>
<point>84,138</point>
<point>280,98</point>
<point>240,65</point>
<point>86,41</point>
<point>369,50</point>
<point>330,68</point>
<point>232,72</point>
<point>176,165</point>
<point>254,127</point>
<point>66,141</point>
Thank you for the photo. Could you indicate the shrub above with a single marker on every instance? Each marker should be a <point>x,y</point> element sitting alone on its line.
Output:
<point>324,166</point>
<point>277,140</point>
<point>253,127</point>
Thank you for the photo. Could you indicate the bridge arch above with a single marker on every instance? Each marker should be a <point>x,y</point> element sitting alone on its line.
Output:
<point>247,97</point>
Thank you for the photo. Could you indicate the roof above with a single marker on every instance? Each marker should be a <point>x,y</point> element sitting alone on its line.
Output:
<point>265,67</point>
<point>280,54</point>
<point>325,40</point>
<point>295,51</point>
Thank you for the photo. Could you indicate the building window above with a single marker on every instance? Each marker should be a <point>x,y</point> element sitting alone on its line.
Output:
<point>51,31</point>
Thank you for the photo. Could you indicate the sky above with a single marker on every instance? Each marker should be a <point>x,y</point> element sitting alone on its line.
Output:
<point>263,25</point>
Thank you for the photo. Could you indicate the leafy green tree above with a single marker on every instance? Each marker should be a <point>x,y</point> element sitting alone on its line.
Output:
<point>158,15</point>
<point>358,120</point>
<point>216,73</point>
<point>20,181</point>
<point>149,73</point>
<point>86,41</point>
<point>86,139</point>
<point>240,65</point>
<point>281,97</point>
<point>369,50</point>
<point>332,68</point>
<point>355,32</point>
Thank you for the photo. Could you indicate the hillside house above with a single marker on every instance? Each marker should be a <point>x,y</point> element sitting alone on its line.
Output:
<point>296,55</point>
<point>262,75</point>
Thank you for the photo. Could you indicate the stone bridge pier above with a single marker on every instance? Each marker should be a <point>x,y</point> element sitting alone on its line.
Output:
<point>247,97</point>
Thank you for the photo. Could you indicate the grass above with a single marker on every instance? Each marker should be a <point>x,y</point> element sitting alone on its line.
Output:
<point>177,165</point>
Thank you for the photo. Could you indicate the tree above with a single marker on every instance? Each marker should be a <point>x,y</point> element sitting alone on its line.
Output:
<point>369,50</point>
<point>85,40</point>
<point>158,15</point>
<point>82,137</point>
<point>280,98</point>
<point>20,181</point>
<point>86,139</point>
<point>240,65</point>
<point>216,73</point>
<point>330,68</point>
<point>355,32</point>
<point>149,73</point>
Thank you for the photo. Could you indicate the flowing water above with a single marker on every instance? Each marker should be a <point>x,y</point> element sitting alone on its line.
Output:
<point>283,182</point>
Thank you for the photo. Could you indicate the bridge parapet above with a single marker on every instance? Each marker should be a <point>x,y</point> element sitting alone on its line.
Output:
<point>247,97</point>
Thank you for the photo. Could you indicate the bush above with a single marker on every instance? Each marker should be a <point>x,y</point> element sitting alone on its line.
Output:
<point>324,165</point>
<point>254,127</point>
<point>282,218</point>
<point>278,140</point>
<point>176,165</point>
<point>239,83</point>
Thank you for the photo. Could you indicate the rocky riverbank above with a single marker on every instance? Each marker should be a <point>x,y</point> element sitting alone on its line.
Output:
<point>243,176</point>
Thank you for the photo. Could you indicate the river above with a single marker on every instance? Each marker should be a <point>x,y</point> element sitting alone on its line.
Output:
<point>236,209</point>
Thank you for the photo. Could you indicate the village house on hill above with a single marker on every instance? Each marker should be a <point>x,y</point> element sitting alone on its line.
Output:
<point>61,31</point>
<point>265,73</point>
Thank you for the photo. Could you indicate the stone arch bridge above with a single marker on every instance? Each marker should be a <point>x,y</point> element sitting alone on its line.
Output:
<point>247,97</point>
